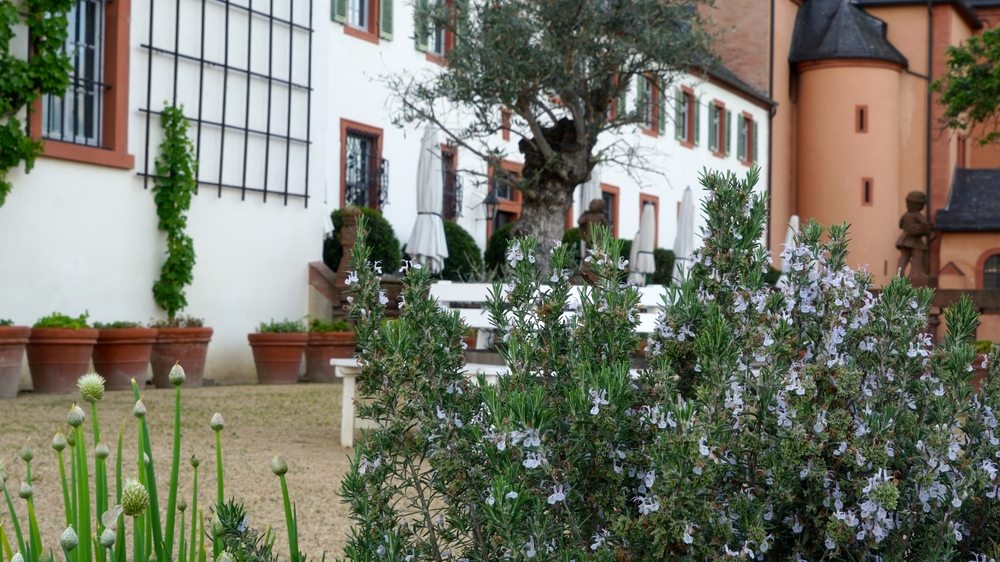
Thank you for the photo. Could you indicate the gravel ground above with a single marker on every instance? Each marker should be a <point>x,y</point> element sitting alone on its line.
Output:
<point>299,422</point>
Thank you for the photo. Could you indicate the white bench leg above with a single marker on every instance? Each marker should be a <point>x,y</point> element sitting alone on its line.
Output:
<point>347,411</point>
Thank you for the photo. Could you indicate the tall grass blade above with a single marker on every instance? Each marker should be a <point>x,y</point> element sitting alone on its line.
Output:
<point>4,545</point>
<point>150,482</point>
<point>13,519</point>
<point>34,536</point>
<point>100,484</point>
<point>194,510</point>
<point>168,545</point>
<point>201,537</point>
<point>293,535</point>
<point>83,552</point>
<point>67,506</point>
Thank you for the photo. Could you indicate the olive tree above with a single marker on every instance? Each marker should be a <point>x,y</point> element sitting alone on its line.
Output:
<point>970,90</point>
<point>561,70</point>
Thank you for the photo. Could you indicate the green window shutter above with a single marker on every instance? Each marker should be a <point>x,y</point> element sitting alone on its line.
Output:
<point>385,19</point>
<point>697,121</point>
<point>712,140</point>
<point>462,17</point>
<point>421,27</point>
<point>339,10</point>
<point>753,126</point>
<point>678,114</point>
<point>729,131</point>
<point>661,112</point>
<point>741,140</point>
<point>622,101</point>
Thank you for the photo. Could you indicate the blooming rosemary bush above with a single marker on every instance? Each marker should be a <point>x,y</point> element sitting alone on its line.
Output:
<point>815,422</point>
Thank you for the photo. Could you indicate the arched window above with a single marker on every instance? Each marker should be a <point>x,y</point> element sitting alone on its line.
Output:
<point>991,272</point>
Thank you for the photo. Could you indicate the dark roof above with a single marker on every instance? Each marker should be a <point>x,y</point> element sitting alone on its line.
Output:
<point>974,202</point>
<point>722,74</point>
<point>835,29</point>
<point>964,7</point>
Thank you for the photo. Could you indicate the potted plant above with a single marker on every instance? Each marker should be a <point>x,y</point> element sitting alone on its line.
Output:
<point>327,340</point>
<point>12,341</point>
<point>182,340</point>
<point>470,339</point>
<point>122,353</point>
<point>59,351</point>
<point>277,351</point>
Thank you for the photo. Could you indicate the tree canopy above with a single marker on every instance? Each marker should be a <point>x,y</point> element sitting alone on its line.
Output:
<point>970,90</point>
<point>561,68</point>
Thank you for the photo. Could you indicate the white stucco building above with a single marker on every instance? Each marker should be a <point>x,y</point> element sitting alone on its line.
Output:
<point>280,96</point>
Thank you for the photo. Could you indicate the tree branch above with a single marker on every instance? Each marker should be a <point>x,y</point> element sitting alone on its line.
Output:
<point>539,141</point>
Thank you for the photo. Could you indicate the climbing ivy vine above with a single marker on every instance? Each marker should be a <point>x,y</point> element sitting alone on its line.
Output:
<point>175,183</point>
<point>24,79</point>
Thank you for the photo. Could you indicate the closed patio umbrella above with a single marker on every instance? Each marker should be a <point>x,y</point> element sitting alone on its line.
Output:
<point>427,242</point>
<point>642,261</point>
<point>684,242</point>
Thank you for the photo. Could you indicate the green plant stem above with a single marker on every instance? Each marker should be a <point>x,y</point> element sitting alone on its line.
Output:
<point>120,546</point>
<point>201,537</point>
<point>118,467</point>
<point>69,556</point>
<point>67,506</point>
<point>293,533</point>
<point>83,503</point>
<point>218,469</point>
<point>100,484</point>
<point>194,509</point>
<point>150,482</point>
<point>181,555</point>
<point>4,545</point>
<point>34,536</point>
<point>72,481</point>
<point>27,477</point>
<point>137,532</point>
<point>168,545</point>
<point>13,518</point>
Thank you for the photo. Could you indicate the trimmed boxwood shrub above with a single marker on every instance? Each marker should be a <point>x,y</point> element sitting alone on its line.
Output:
<point>381,239</point>
<point>664,260</point>
<point>464,259</point>
<point>496,249</point>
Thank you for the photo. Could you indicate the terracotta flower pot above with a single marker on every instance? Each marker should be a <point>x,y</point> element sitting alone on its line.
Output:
<point>122,354</point>
<point>278,356</point>
<point>189,346</point>
<point>58,357</point>
<point>324,346</point>
<point>12,342</point>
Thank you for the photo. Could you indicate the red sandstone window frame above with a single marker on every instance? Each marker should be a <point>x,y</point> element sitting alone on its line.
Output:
<point>505,118</point>
<point>867,192</point>
<point>981,266</point>
<point>370,32</point>
<point>720,124</point>
<point>862,119</point>
<point>615,194</point>
<point>646,198</point>
<point>449,42</point>
<point>748,147</point>
<point>687,141</point>
<point>113,152</point>
<point>346,124</point>
<point>513,205</point>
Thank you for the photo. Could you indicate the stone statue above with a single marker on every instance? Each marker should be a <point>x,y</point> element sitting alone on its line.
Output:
<point>594,216</point>
<point>911,243</point>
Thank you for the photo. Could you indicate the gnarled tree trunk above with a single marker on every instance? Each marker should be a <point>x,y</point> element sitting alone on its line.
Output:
<point>548,185</point>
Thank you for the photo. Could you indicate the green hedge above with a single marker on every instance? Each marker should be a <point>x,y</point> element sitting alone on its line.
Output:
<point>465,262</point>
<point>496,249</point>
<point>381,239</point>
<point>664,273</point>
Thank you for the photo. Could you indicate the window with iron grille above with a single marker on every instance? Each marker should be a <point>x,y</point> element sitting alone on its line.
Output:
<point>76,116</point>
<point>452,185</point>
<point>366,172</point>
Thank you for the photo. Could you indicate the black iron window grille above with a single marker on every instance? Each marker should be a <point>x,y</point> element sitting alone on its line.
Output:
<point>76,116</point>
<point>242,70</point>
<point>452,183</point>
<point>366,174</point>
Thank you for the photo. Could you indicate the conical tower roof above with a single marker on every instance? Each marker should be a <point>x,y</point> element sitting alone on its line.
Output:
<point>835,29</point>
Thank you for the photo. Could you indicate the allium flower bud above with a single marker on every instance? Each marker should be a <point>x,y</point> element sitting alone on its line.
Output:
<point>17,557</point>
<point>101,451</point>
<point>91,387</point>
<point>25,492</point>
<point>217,423</point>
<point>278,465</point>
<point>139,410</point>
<point>177,376</point>
<point>224,557</point>
<point>135,498</point>
<point>145,459</point>
<point>59,441</point>
<point>71,439</point>
<point>216,526</point>
<point>195,461</point>
<point>152,557</point>
<point>182,505</point>
<point>27,454</point>
<point>69,540</point>
<point>3,473</point>
<point>75,417</point>
<point>108,538</point>
<point>46,557</point>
